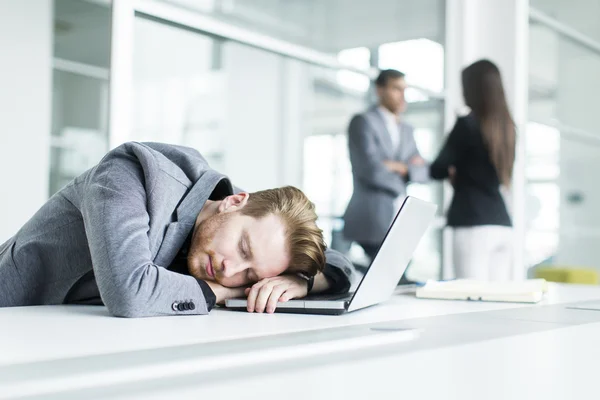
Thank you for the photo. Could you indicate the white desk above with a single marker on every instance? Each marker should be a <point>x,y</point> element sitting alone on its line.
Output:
<point>463,346</point>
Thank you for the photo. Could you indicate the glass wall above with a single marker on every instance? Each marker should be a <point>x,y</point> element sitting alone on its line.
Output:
<point>563,138</point>
<point>262,118</point>
<point>80,89</point>
<point>242,107</point>
<point>178,95</point>
<point>326,170</point>
<point>226,98</point>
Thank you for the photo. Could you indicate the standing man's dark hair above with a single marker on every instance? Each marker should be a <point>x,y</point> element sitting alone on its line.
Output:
<point>390,86</point>
<point>386,75</point>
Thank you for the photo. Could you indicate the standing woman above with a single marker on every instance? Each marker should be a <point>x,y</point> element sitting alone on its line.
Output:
<point>478,158</point>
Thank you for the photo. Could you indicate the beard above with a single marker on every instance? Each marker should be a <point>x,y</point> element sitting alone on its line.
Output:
<point>200,247</point>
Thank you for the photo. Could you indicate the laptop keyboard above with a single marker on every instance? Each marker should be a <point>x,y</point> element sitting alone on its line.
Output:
<point>321,297</point>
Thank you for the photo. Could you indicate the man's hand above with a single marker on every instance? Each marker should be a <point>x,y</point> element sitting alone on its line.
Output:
<point>265,294</point>
<point>417,160</point>
<point>396,166</point>
<point>452,174</point>
<point>223,293</point>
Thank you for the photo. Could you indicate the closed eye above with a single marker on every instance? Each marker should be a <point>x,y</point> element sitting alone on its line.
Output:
<point>243,249</point>
<point>245,246</point>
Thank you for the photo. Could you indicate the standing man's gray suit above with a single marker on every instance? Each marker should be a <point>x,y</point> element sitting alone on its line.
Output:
<point>110,235</point>
<point>371,208</point>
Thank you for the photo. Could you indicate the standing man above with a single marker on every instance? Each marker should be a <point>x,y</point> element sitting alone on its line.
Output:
<point>384,159</point>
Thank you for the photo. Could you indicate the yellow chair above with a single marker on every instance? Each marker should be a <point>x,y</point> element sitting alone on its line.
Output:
<point>565,274</point>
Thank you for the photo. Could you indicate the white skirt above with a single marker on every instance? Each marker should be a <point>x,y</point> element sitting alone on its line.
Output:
<point>483,252</point>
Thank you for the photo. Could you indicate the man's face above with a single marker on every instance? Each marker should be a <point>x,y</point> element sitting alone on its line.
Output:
<point>391,96</point>
<point>236,250</point>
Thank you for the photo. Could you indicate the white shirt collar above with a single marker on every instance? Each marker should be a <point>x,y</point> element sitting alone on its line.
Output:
<point>389,116</point>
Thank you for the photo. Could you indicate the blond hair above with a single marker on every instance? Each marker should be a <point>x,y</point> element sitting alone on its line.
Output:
<point>304,239</point>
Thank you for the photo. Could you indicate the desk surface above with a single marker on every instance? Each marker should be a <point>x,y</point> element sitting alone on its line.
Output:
<point>451,332</point>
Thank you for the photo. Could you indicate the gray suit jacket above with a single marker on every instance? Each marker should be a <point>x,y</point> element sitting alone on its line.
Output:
<point>371,208</point>
<point>111,233</point>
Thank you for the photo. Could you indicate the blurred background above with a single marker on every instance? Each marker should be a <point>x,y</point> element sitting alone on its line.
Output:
<point>265,90</point>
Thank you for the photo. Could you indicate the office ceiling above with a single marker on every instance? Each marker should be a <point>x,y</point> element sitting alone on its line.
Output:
<point>332,25</point>
<point>82,26</point>
<point>584,15</point>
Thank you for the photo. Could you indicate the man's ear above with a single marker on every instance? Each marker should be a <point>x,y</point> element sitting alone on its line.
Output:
<point>234,202</point>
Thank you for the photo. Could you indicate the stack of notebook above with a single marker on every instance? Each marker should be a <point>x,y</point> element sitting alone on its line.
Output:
<point>527,291</point>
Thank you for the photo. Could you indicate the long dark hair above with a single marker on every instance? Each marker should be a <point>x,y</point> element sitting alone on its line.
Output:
<point>484,94</point>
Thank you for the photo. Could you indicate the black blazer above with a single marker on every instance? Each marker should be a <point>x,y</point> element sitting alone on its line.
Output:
<point>477,199</point>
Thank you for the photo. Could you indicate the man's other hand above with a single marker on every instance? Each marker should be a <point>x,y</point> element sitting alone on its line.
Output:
<point>397,167</point>
<point>452,174</point>
<point>265,294</point>
<point>417,160</point>
<point>223,293</point>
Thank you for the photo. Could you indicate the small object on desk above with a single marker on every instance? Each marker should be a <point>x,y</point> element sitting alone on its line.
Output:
<point>586,305</point>
<point>527,291</point>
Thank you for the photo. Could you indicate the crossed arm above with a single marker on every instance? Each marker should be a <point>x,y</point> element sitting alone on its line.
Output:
<point>371,168</point>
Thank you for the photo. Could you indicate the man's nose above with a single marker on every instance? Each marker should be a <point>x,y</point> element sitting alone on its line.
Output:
<point>231,268</point>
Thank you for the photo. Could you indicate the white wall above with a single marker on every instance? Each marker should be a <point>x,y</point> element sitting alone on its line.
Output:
<point>253,126</point>
<point>269,102</point>
<point>25,105</point>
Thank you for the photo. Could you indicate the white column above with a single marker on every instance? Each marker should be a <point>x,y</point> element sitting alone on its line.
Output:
<point>296,92</point>
<point>496,30</point>
<point>121,71</point>
<point>26,37</point>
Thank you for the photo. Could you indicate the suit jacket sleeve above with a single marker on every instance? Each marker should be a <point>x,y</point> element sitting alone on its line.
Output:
<point>416,173</point>
<point>338,271</point>
<point>116,224</point>
<point>367,159</point>
<point>451,151</point>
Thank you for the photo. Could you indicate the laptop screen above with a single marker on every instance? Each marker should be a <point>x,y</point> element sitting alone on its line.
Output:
<point>394,253</point>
